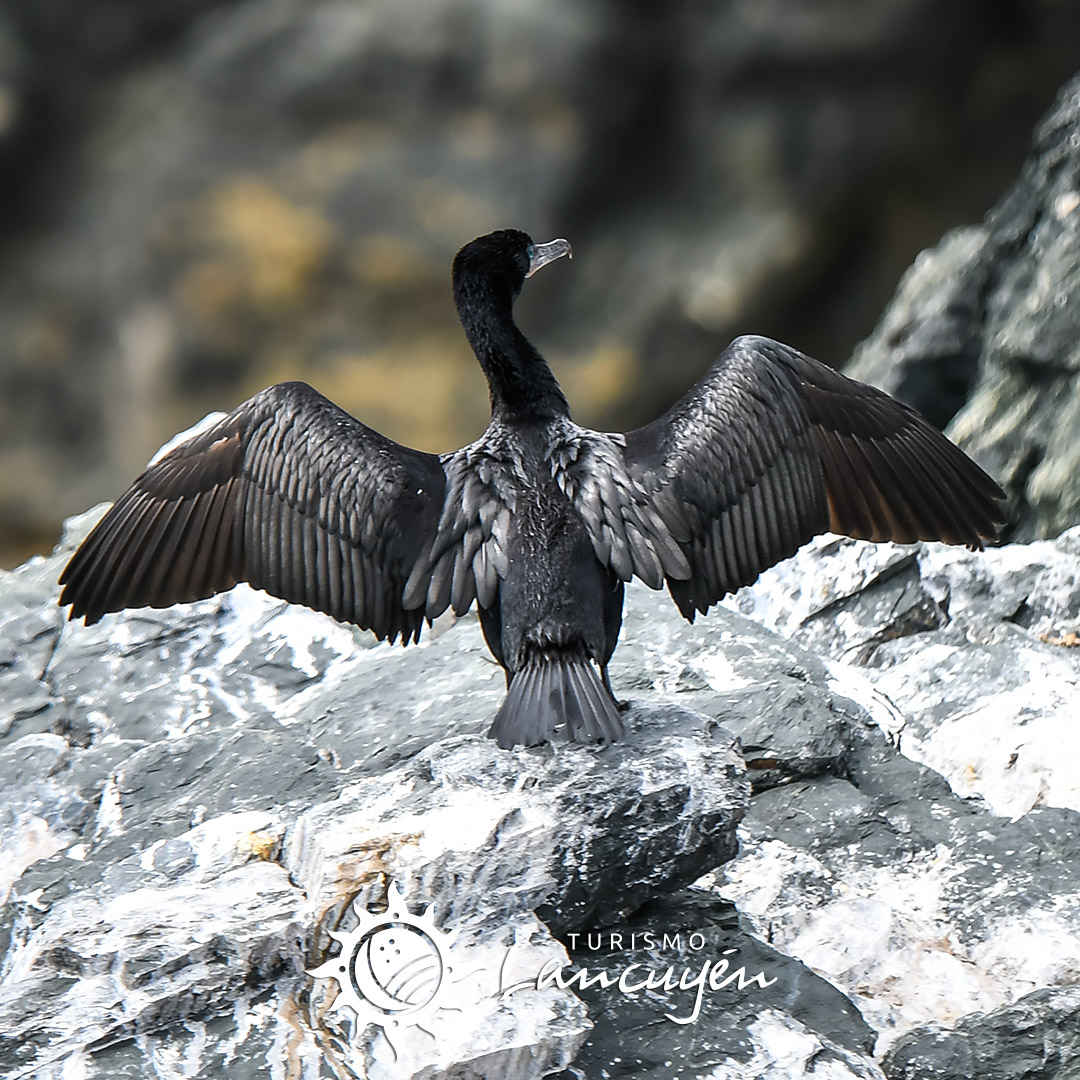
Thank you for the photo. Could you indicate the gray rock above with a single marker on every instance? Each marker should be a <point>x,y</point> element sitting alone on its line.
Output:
<point>928,894</point>
<point>983,333</point>
<point>518,833</point>
<point>1038,1038</point>
<point>793,1025</point>
<point>919,905</point>
<point>927,347</point>
<point>969,659</point>
<point>194,799</point>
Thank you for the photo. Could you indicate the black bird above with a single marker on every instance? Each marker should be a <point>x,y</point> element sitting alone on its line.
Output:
<point>540,521</point>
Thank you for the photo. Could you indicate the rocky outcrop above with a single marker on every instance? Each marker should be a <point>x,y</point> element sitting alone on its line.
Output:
<point>983,334</point>
<point>194,799</point>
<point>967,659</point>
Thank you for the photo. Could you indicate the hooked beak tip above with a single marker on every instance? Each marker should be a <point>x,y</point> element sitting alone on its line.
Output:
<point>545,253</point>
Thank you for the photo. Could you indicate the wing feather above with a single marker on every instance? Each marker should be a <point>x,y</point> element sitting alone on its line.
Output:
<point>318,543</point>
<point>202,566</point>
<point>485,576</point>
<point>176,574</point>
<point>786,529</point>
<point>157,536</point>
<point>287,492</point>
<point>354,598</point>
<point>119,560</point>
<point>771,448</point>
<point>335,571</point>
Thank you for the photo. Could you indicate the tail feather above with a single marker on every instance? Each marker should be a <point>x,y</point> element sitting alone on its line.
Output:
<point>553,691</point>
<point>577,722</point>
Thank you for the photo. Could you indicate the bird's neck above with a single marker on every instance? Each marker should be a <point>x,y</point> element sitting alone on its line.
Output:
<point>522,385</point>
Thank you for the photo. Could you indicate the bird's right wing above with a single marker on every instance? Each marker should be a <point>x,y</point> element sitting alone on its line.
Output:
<point>772,447</point>
<point>287,492</point>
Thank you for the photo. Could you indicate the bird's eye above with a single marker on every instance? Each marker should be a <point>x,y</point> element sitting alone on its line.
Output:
<point>530,251</point>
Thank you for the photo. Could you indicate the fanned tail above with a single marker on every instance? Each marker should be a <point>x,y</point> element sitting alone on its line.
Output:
<point>553,690</point>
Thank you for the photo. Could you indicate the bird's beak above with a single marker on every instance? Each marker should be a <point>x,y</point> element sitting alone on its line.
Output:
<point>545,253</point>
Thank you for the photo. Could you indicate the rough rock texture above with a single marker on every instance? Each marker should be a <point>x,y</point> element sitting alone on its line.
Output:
<point>191,800</point>
<point>1038,1038</point>
<point>970,660</point>
<point>802,1030</point>
<point>923,905</point>
<point>984,334</point>
<point>200,197</point>
<point>193,797</point>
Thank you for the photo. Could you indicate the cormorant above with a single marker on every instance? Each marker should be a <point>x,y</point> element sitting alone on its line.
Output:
<point>540,521</point>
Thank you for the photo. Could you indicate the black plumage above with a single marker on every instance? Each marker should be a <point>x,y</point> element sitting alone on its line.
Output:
<point>541,522</point>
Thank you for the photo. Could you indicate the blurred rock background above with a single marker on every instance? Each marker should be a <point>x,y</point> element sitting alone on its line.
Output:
<point>200,197</point>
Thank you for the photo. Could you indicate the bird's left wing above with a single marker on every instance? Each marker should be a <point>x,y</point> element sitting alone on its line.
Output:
<point>287,492</point>
<point>767,450</point>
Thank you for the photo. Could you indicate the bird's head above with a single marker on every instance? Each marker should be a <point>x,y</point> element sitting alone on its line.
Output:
<point>495,266</point>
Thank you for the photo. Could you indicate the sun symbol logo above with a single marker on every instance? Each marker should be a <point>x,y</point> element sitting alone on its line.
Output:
<point>392,968</point>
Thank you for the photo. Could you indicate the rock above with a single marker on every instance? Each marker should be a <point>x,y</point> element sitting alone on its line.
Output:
<point>927,347</point>
<point>776,1019</point>
<point>969,659</point>
<point>519,824</point>
<point>899,888</point>
<point>205,807</point>
<point>1035,1039</point>
<point>920,906</point>
<point>983,334</point>
<point>194,798</point>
